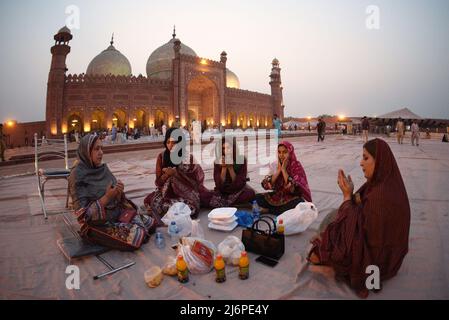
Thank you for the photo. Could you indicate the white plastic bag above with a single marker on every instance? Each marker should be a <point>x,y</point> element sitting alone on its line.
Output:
<point>197,230</point>
<point>199,254</point>
<point>231,249</point>
<point>180,213</point>
<point>298,219</point>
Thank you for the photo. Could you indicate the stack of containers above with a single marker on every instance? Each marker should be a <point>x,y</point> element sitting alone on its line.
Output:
<point>223,219</point>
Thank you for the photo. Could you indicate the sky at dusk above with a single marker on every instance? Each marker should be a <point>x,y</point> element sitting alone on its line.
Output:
<point>332,63</point>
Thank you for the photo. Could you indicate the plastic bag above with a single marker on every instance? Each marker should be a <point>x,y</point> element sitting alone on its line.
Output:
<point>298,219</point>
<point>170,267</point>
<point>244,218</point>
<point>199,254</point>
<point>197,230</point>
<point>180,213</point>
<point>231,248</point>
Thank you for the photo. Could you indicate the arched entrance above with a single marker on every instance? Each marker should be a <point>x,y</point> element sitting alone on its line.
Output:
<point>140,121</point>
<point>119,118</point>
<point>160,119</point>
<point>261,121</point>
<point>75,123</point>
<point>231,120</point>
<point>241,121</point>
<point>98,120</point>
<point>203,101</point>
<point>252,121</point>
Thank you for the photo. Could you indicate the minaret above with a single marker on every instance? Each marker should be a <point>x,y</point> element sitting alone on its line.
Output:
<point>176,75</point>
<point>55,84</point>
<point>276,89</point>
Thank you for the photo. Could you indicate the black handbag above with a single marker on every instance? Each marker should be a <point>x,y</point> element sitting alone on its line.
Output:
<point>266,243</point>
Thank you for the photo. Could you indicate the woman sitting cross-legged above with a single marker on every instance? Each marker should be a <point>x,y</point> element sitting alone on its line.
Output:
<point>371,228</point>
<point>176,180</point>
<point>230,175</point>
<point>106,216</point>
<point>288,181</point>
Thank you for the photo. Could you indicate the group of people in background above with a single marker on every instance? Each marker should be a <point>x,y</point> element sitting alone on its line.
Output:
<point>400,131</point>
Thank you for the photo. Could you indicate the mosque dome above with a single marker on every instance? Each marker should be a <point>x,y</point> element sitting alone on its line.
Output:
<point>159,64</point>
<point>110,62</point>
<point>232,81</point>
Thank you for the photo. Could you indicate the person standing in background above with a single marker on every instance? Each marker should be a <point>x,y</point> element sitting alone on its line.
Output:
<point>126,131</point>
<point>415,133</point>
<point>164,129</point>
<point>400,130</point>
<point>113,133</point>
<point>277,125</point>
<point>177,123</point>
<point>365,129</point>
<point>321,128</point>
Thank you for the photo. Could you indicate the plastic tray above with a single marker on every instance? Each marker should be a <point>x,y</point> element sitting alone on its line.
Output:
<point>223,228</point>
<point>223,222</point>
<point>225,213</point>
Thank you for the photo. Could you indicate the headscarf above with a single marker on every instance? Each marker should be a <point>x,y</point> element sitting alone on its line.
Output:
<point>91,181</point>
<point>167,159</point>
<point>375,232</point>
<point>296,171</point>
<point>386,207</point>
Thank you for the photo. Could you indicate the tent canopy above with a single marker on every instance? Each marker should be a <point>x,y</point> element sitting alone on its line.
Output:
<point>404,113</point>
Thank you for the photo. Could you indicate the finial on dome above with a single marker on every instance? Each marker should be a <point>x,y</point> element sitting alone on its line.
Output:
<point>174,31</point>
<point>112,39</point>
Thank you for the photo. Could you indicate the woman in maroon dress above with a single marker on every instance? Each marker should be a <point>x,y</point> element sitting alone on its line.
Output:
<point>230,176</point>
<point>175,182</point>
<point>371,226</point>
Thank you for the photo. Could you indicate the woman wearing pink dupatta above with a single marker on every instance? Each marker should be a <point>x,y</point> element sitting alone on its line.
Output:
<point>288,181</point>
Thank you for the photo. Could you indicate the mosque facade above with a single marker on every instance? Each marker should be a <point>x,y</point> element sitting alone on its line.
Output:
<point>179,85</point>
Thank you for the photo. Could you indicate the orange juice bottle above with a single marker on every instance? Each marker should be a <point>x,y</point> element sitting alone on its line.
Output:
<point>183,272</point>
<point>220,269</point>
<point>281,227</point>
<point>244,266</point>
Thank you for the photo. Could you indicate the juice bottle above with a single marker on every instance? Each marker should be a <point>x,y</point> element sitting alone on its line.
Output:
<point>281,227</point>
<point>220,269</point>
<point>244,266</point>
<point>183,272</point>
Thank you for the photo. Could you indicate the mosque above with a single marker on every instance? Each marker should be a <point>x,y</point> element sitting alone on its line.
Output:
<point>179,85</point>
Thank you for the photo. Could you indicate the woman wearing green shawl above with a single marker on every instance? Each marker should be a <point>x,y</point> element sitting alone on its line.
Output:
<point>106,216</point>
<point>230,175</point>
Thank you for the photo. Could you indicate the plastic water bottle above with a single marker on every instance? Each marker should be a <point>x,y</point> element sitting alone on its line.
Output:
<point>160,241</point>
<point>173,231</point>
<point>256,211</point>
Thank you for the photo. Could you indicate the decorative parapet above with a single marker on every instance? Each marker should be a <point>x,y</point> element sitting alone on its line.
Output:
<point>201,61</point>
<point>234,92</point>
<point>101,79</point>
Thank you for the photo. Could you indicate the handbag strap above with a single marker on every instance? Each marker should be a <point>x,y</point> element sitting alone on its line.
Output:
<point>255,225</point>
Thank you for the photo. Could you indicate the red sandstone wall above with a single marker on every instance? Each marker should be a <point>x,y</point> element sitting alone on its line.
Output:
<point>249,104</point>
<point>16,135</point>
<point>85,95</point>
